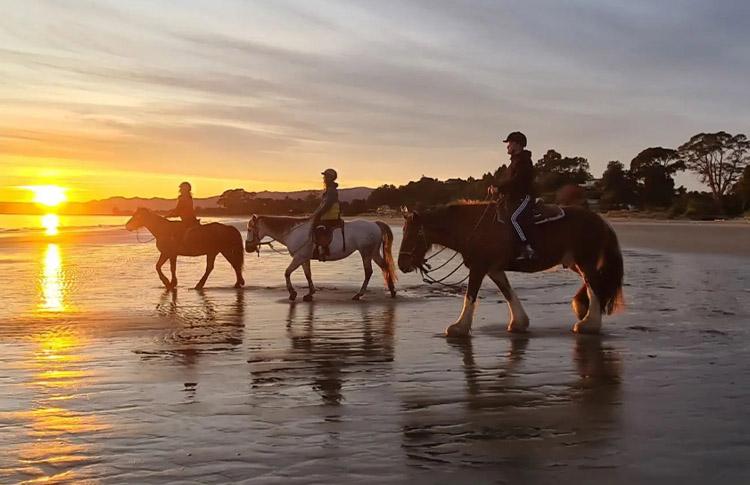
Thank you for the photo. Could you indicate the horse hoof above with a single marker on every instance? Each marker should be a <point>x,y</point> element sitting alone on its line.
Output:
<point>198,287</point>
<point>237,285</point>
<point>517,329</point>
<point>393,294</point>
<point>292,296</point>
<point>454,331</point>
<point>307,298</point>
<point>583,327</point>
<point>357,297</point>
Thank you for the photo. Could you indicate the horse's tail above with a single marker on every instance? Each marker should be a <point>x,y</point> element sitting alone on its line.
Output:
<point>610,268</point>
<point>389,272</point>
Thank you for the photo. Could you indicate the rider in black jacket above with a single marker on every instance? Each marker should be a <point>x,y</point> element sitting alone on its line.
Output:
<point>517,186</point>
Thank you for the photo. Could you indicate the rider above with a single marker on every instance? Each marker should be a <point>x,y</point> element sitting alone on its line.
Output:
<point>517,188</point>
<point>184,209</point>
<point>328,213</point>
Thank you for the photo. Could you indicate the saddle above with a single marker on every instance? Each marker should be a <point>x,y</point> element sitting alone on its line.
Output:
<point>323,236</point>
<point>541,212</point>
<point>546,212</point>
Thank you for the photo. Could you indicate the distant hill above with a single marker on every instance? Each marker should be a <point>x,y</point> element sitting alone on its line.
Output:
<point>115,205</point>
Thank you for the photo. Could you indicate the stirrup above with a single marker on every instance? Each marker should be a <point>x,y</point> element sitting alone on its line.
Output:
<point>527,254</point>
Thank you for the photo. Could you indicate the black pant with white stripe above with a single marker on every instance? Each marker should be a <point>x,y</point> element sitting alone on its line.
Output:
<point>521,218</point>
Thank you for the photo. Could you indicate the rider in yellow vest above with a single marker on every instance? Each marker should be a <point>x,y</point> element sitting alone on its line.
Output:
<point>328,213</point>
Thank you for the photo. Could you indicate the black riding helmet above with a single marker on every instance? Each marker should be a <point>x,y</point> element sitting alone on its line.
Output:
<point>516,136</point>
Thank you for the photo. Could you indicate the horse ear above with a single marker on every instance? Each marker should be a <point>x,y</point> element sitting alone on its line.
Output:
<point>254,218</point>
<point>404,211</point>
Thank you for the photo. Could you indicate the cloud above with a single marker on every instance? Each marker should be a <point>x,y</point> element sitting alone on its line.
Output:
<point>419,87</point>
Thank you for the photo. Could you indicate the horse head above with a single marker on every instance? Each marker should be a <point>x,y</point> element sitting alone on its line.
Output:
<point>138,219</point>
<point>414,245</point>
<point>253,235</point>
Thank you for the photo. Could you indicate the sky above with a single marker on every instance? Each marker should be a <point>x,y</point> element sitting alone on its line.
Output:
<point>130,98</point>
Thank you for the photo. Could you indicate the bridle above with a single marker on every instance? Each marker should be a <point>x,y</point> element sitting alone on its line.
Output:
<point>258,243</point>
<point>421,264</point>
<point>424,267</point>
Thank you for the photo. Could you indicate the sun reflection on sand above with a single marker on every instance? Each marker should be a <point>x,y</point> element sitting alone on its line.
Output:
<point>51,223</point>
<point>52,282</point>
<point>56,445</point>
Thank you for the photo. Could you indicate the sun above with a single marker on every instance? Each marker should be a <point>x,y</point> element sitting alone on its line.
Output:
<point>49,195</point>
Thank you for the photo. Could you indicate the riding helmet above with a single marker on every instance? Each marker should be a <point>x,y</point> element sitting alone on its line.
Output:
<point>331,173</point>
<point>516,136</point>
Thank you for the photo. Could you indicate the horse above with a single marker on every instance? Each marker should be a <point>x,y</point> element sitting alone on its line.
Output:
<point>296,234</point>
<point>173,239</point>
<point>578,239</point>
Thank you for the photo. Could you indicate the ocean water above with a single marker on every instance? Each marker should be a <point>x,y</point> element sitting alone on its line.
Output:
<point>106,377</point>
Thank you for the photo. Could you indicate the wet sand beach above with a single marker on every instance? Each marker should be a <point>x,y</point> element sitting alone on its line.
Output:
<point>108,378</point>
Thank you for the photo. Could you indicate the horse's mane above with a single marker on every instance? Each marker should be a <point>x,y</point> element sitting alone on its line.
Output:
<point>282,223</point>
<point>462,206</point>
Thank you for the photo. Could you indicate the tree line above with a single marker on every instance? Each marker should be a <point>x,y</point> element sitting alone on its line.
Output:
<point>720,160</point>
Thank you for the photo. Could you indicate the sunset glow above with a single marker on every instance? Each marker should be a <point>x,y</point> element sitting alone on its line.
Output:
<point>48,195</point>
<point>50,223</point>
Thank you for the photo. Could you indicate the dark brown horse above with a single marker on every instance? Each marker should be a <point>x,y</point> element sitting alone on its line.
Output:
<point>581,241</point>
<point>173,240</point>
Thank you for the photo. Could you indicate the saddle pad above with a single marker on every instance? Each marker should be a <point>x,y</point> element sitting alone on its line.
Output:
<point>548,213</point>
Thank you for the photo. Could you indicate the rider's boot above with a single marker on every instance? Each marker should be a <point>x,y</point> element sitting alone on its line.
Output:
<point>527,253</point>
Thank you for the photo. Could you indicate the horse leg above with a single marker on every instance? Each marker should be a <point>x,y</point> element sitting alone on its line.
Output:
<point>162,259</point>
<point>210,259</point>
<point>310,285</point>
<point>462,327</point>
<point>386,272</point>
<point>296,262</point>
<point>173,269</point>
<point>580,302</point>
<point>592,321</point>
<point>519,321</point>
<point>367,264</point>
<point>236,263</point>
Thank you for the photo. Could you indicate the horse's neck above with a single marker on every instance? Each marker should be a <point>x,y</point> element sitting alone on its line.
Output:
<point>283,235</point>
<point>156,225</point>
<point>455,237</point>
<point>442,238</point>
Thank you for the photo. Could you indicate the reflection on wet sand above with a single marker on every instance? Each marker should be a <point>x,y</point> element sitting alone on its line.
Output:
<point>510,413</point>
<point>52,280</point>
<point>323,353</point>
<point>57,444</point>
<point>201,325</point>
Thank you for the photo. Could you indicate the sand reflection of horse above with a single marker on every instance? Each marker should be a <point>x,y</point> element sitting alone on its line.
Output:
<point>205,239</point>
<point>295,233</point>
<point>327,353</point>
<point>581,241</point>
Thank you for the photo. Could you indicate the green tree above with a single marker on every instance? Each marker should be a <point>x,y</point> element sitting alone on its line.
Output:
<point>236,201</point>
<point>617,187</point>
<point>718,159</point>
<point>554,171</point>
<point>742,188</point>
<point>653,170</point>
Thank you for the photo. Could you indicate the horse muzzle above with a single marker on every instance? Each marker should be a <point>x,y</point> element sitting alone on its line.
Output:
<point>250,246</point>
<point>406,263</point>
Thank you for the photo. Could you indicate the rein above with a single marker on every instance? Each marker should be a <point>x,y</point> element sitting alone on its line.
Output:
<point>425,269</point>
<point>138,237</point>
<point>273,240</point>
